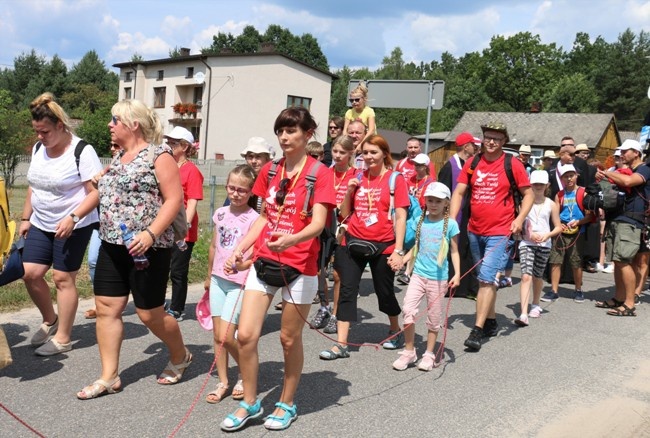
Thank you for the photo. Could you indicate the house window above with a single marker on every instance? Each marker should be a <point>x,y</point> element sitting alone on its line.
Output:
<point>161,75</point>
<point>198,95</point>
<point>128,76</point>
<point>127,93</point>
<point>536,157</point>
<point>293,101</point>
<point>189,73</point>
<point>159,97</point>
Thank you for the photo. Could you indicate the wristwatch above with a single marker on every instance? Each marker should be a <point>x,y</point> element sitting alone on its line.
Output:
<point>400,252</point>
<point>74,217</point>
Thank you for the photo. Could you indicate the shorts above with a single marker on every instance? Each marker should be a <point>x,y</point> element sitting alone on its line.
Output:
<point>116,276</point>
<point>567,245</point>
<point>65,255</point>
<point>302,290</point>
<point>434,292</point>
<point>533,259</point>
<point>225,299</point>
<point>490,253</point>
<point>624,241</point>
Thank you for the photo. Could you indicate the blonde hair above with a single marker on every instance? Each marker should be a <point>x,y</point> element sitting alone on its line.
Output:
<point>346,142</point>
<point>44,107</point>
<point>360,89</point>
<point>315,147</point>
<point>444,242</point>
<point>130,111</point>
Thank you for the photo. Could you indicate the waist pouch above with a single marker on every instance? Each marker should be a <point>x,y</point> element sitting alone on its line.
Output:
<point>365,248</point>
<point>275,273</point>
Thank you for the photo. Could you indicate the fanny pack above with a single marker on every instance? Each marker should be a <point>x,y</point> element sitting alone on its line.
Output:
<point>275,273</point>
<point>365,248</point>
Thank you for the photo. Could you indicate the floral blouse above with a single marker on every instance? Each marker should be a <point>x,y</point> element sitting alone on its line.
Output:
<point>129,194</point>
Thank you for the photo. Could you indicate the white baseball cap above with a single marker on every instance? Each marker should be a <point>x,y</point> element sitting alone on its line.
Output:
<point>437,190</point>
<point>630,144</point>
<point>539,177</point>
<point>257,145</point>
<point>180,133</point>
<point>566,168</point>
<point>422,159</point>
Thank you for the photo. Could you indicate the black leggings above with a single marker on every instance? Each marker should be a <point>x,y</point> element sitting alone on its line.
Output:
<point>350,270</point>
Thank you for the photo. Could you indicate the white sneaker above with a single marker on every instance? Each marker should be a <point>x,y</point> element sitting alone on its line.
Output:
<point>599,267</point>
<point>608,269</point>
<point>535,312</point>
<point>522,321</point>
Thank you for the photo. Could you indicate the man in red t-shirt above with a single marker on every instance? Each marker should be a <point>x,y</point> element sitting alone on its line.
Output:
<point>406,166</point>
<point>492,221</point>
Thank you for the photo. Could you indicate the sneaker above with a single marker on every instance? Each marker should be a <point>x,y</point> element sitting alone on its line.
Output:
<point>579,297</point>
<point>330,328</point>
<point>550,297</point>
<point>395,342</point>
<point>44,333</point>
<point>522,321</point>
<point>52,347</point>
<point>637,300</point>
<point>428,361</point>
<point>403,279</point>
<point>609,269</point>
<point>473,341</point>
<point>600,267</point>
<point>535,311</point>
<point>320,319</point>
<point>405,359</point>
<point>178,316</point>
<point>505,282</point>
<point>490,328</point>
<point>471,296</point>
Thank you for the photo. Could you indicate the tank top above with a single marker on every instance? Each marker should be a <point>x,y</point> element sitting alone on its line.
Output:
<point>537,222</point>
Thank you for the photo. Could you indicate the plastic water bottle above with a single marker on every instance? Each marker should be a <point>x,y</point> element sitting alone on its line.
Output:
<point>182,245</point>
<point>141,261</point>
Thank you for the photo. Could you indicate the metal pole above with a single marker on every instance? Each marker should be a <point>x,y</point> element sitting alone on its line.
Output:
<point>429,104</point>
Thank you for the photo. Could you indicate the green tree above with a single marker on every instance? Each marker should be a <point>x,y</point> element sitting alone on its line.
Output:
<point>92,70</point>
<point>27,69</point>
<point>249,41</point>
<point>15,136</point>
<point>55,77</point>
<point>571,94</point>
<point>220,42</point>
<point>136,57</point>
<point>95,131</point>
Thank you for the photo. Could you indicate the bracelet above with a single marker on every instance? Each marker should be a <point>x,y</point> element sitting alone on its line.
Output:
<point>24,220</point>
<point>153,236</point>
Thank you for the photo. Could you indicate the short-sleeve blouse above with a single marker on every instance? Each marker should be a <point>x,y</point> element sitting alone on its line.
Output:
<point>129,194</point>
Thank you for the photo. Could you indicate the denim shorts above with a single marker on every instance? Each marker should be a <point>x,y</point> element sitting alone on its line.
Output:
<point>65,255</point>
<point>491,254</point>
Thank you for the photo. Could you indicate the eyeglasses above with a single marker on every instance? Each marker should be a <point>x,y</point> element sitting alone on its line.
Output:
<point>115,119</point>
<point>239,190</point>
<point>355,99</point>
<point>333,127</point>
<point>115,146</point>
<point>488,139</point>
<point>282,193</point>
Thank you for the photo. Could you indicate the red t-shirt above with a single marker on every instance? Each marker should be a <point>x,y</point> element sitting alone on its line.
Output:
<point>417,188</point>
<point>492,205</point>
<point>302,256</point>
<point>192,182</point>
<point>372,204</point>
<point>407,168</point>
<point>341,185</point>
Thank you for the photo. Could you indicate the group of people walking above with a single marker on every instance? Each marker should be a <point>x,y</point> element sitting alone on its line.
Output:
<point>267,239</point>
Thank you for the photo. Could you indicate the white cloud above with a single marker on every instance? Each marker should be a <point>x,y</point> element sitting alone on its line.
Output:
<point>128,44</point>
<point>176,25</point>
<point>110,23</point>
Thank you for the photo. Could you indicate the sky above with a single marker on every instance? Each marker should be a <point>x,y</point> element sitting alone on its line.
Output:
<point>353,33</point>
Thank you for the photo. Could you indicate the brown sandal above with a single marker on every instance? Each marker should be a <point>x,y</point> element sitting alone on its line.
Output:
<point>218,394</point>
<point>238,390</point>
<point>623,310</point>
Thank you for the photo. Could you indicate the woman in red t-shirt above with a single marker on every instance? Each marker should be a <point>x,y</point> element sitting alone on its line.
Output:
<point>286,233</point>
<point>368,201</point>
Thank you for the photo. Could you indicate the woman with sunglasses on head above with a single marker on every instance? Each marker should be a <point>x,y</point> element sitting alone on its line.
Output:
<point>141,191</point>
<point>361,112</point>
<point>181,141</point>
<point>374,236</point>
<point>286,246</point>
<point>58,218</point>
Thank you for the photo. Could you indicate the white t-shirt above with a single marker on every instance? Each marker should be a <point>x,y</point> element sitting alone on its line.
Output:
<point>57,188</point>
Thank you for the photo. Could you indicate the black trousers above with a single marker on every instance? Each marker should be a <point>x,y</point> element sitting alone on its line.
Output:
<point>179,268</point>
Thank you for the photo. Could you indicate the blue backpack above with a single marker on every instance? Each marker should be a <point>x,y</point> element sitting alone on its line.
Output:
<point>413,212</point>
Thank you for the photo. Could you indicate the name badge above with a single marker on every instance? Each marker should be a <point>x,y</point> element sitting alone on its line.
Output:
<point>372,220</point>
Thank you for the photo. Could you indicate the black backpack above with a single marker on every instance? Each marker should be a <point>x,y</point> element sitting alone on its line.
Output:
<point>606,196</point>
<point>77,151</point>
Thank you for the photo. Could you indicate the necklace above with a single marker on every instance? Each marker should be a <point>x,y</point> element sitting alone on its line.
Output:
<point>369,192</point>
<point>340,181</point>
<point>180,163</point>
<point>294,179</point>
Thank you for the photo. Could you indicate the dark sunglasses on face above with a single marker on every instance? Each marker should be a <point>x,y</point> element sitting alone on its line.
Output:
<point>333,127</point>
<point>355,99</point>
<point>115,119</point>
<point>282,193</point>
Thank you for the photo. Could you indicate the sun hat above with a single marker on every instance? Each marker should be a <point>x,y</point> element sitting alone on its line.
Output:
<point>438,190</point>
<point>180,133</point>
<point>257,145</point>
<point>582,147</point>
<point>496,126</point>
<point>422,159</point>
<point>539,177</point>
<point>549,154</point>
<point>566,168</point>
<point>525,149</point>
<point>203,314</point>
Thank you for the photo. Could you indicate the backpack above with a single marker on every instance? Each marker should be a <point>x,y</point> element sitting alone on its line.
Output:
<point>7,226</point>
<point>606,196</point>
<point>77,151</point>
<point>581,194</point>
<point>327,237</point>
<point>514,190</point>
<point>413,212</point>
<point>180,221</point>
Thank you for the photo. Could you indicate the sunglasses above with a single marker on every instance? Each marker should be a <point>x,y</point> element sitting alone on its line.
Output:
<point>355,99</point>
<point>115,146</point>
<point>115,119</point>
<point>282,193</point>
<point>333,127</point>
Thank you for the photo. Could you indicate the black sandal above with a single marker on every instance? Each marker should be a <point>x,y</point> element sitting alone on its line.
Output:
<point>606,304</point>
<point>625,311</point>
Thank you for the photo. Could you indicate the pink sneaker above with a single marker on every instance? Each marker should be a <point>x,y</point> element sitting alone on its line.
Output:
<point>405,359</point>
<point>428,361</point>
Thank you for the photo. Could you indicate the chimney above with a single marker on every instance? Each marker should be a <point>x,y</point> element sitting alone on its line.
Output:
<point>185,51</point>
<point>267,47</point>
<point>536,107</point>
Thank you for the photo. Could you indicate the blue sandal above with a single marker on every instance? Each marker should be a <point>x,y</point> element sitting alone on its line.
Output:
<point>273,422</point>
<point>232,423</point>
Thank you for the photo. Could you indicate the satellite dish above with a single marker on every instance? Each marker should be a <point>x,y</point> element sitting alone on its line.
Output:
<point>199,78</point>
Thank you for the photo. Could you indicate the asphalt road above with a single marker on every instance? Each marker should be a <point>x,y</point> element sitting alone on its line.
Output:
<point>573,372</point>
